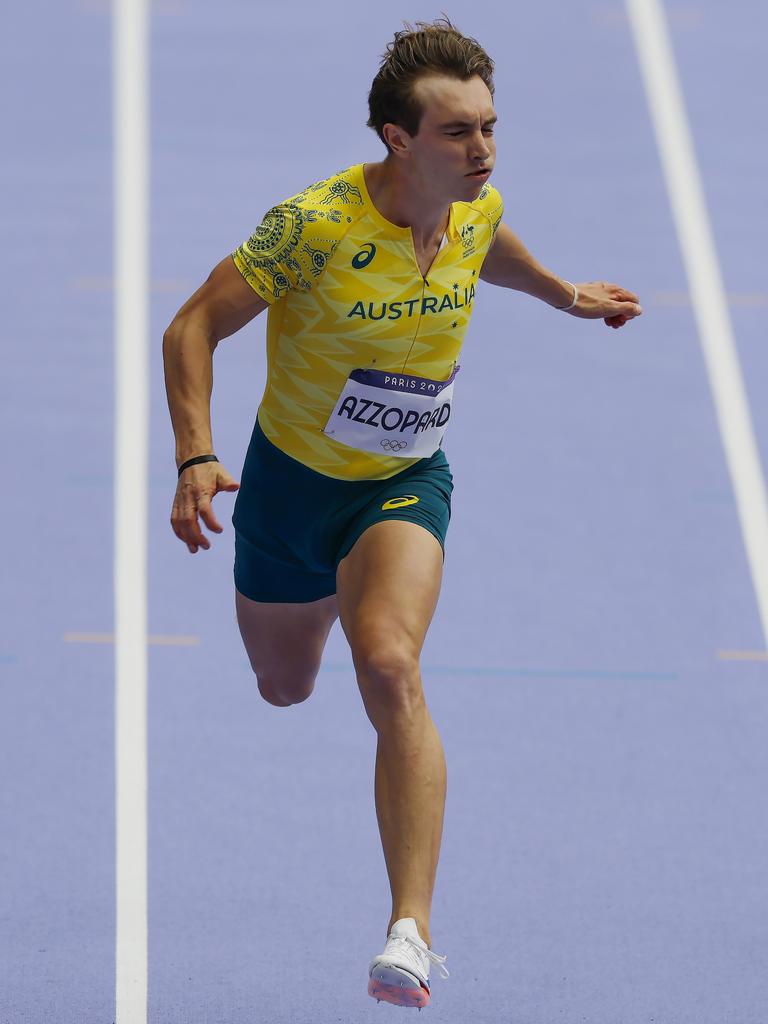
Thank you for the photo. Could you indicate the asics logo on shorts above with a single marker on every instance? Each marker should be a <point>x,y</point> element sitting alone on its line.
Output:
<point>407,499</point>
<point>393,446</point>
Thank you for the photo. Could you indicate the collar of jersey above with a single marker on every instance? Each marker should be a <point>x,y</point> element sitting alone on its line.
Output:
<point>388,225</point>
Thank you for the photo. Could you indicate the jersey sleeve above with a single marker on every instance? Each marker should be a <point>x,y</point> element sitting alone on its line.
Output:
<point>492,205</point>
<point>289,250</point>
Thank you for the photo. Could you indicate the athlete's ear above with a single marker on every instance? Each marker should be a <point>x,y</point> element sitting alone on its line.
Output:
<point>398,139</point>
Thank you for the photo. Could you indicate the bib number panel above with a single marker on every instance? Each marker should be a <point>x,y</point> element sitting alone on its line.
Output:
<point>392,414</point>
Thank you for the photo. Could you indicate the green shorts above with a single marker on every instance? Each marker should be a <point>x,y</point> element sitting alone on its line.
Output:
<point>293,526</point>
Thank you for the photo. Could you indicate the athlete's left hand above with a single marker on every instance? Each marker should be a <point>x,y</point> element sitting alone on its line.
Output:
<point>613,303</point>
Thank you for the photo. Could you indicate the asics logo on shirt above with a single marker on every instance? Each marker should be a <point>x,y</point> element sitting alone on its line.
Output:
<point>408,499</point>
<point>364,257</point>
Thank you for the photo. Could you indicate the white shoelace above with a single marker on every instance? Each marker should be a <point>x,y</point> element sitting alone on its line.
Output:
<point>411,946</point>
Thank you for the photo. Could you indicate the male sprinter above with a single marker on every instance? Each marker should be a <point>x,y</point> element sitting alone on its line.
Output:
<point>370,278</point>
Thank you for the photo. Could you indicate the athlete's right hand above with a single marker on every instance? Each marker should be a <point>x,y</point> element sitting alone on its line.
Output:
<point>194,492</point>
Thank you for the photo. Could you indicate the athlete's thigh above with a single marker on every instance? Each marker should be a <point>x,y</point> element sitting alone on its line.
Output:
<point>285,641</point>
<point>388,587</point>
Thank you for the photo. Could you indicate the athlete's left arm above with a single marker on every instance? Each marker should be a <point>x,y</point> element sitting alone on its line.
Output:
<point>509,265</point>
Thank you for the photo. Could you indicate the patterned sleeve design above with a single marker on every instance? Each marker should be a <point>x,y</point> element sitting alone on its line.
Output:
<point>492,205</point>
<point>289,250</point>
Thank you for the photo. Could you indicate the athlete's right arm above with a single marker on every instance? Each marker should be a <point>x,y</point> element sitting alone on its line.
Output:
<point>220,307</point>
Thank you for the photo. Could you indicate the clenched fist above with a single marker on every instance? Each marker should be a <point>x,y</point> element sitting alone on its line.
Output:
<point>613,303</point>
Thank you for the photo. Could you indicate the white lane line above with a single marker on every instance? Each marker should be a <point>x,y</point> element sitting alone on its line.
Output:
<point>710,308</point>
<point>131,155</point>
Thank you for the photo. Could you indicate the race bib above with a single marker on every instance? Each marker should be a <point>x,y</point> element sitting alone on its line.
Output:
<point>392,414</point>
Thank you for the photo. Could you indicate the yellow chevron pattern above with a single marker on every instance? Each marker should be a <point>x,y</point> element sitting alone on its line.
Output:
<point>345,292</point>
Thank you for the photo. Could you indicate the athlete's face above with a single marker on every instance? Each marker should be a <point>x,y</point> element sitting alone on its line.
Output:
<point>454,150</point>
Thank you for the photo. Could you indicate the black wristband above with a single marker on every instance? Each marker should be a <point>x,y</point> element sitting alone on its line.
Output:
<point>196,461</point>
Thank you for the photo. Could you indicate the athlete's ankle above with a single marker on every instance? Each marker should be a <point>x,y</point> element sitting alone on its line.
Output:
<point>422,923</point>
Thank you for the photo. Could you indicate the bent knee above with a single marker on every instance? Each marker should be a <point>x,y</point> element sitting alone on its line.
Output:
<point>284,694</point>
<point>269,694</point>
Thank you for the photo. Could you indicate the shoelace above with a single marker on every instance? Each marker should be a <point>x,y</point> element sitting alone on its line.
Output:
<point>412,946</point>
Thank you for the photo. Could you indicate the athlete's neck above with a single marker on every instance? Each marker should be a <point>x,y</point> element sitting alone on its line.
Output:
<point>406,202</point>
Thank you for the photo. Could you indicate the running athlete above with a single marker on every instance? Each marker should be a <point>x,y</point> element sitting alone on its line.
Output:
<point>370,277</point>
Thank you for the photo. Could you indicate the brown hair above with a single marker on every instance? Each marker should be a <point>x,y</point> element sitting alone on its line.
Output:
<point>427,48</point>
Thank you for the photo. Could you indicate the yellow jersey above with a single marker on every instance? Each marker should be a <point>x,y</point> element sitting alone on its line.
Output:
<point>345,294</point>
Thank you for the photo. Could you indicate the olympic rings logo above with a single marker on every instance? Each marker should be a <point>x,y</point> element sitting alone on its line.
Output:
<point>393,446</point>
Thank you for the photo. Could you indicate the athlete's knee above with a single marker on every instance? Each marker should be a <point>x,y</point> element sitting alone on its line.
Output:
<point>283,685</point>
<point>269,695</point>
<point>282,693</point>
<point>389,679</point>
